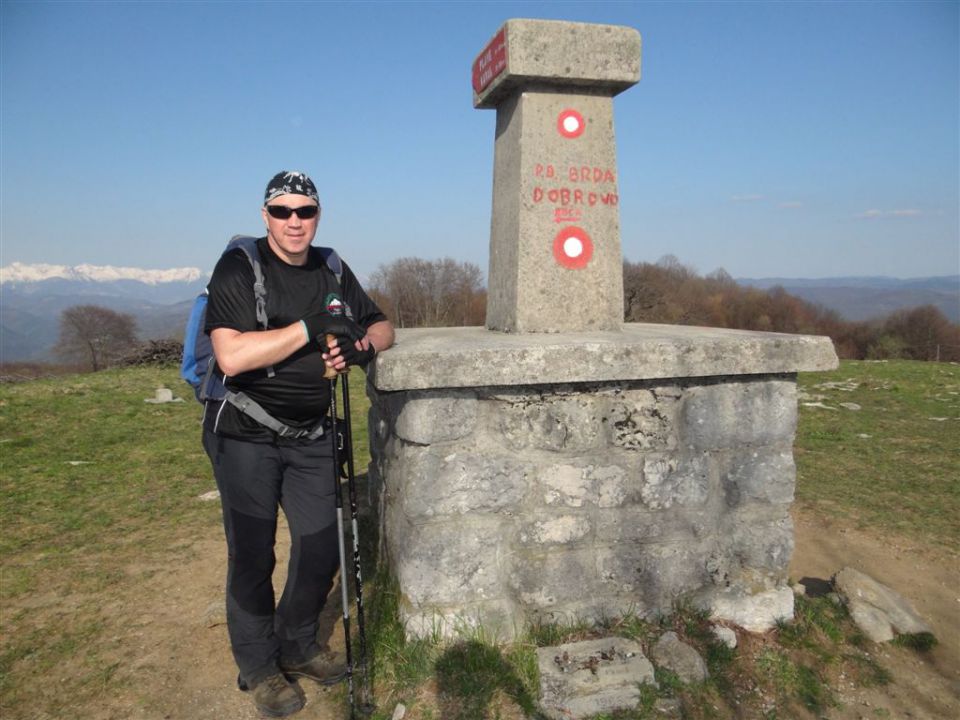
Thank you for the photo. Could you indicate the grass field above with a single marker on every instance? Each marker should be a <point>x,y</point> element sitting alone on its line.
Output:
<point>893,464</point>
<point>94,479</point>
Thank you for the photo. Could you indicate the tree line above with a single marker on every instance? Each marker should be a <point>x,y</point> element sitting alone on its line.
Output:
<point>414,292</point>
<point>669,292</point>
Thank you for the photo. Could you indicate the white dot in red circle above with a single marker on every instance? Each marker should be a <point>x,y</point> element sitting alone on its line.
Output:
<point>572,247</point>
<point>570,123</point>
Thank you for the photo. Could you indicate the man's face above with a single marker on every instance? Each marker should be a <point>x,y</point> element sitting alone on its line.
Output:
<point>291,238</point>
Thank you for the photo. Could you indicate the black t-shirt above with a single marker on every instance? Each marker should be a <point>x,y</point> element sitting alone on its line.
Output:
<point>297,394</point>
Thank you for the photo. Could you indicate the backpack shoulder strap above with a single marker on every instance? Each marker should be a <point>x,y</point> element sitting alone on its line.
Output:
<point>248,244</point>
<point>332,261</point>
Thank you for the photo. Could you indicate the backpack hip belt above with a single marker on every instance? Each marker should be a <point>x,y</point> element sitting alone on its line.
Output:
<point>253,409</point>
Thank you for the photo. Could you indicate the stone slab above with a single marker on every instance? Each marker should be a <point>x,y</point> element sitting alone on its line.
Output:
<point>583,679</point>
<point>603,58</point>
<point>425,358</point>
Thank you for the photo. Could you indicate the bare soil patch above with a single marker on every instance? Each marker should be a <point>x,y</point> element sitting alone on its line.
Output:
<point>174,663</point>
<point>174,666</point>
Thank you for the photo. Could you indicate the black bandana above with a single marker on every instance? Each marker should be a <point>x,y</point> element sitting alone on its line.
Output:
<point>290,182</point>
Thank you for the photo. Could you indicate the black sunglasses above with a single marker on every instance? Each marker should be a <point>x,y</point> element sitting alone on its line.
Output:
<point>282,212</point>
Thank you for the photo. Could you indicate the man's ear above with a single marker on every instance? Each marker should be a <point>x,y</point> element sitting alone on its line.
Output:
<point>263,214</point>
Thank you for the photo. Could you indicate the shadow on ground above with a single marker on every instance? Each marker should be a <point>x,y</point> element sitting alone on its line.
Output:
<point>471,676</point>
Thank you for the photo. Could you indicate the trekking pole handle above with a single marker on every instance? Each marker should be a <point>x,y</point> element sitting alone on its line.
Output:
<point>328,372</point>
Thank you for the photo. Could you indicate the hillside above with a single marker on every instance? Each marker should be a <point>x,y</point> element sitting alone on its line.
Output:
<point>869,298</point>
<point>30,311</point>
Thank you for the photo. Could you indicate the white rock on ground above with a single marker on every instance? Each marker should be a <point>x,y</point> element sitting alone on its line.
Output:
<point>758,612</point>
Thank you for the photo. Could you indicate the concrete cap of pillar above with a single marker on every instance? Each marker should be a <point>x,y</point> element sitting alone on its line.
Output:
<point>554,53</point>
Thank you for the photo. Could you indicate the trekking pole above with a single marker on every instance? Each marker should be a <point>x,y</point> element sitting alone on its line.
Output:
<point>344,599</point>
<point>367,706</point>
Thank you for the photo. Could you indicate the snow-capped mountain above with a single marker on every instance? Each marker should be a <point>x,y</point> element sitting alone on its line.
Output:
<point>23,273</point>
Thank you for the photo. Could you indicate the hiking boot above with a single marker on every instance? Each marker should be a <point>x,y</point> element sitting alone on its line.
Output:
<point>278,697</point>
<point>323,668</point>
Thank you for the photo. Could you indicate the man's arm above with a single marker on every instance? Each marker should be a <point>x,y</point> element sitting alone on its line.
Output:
<point>238,352</point>
<point>381,335</point>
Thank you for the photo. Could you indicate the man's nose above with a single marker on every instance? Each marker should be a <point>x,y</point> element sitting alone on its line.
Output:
<point>294,220</point>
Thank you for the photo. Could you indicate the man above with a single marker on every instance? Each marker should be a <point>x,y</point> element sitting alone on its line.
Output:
<point>314,323</point>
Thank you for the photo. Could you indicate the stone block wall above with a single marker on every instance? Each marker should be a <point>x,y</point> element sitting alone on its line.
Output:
<point>506,505</point>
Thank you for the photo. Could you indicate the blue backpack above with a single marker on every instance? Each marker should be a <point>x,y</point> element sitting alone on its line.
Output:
<point>198,365</point>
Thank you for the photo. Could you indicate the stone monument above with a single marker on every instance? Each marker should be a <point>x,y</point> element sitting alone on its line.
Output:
<point>561,465</point>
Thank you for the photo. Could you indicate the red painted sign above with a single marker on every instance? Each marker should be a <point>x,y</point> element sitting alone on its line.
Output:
<point>572,247</point>
<point>567,196</point>
<point>491,62</point>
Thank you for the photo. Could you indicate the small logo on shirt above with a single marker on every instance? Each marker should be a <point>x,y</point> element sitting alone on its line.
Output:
<point>334,304</point>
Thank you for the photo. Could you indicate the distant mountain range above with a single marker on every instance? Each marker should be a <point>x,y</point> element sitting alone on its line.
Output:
<point>33,296</point>
<point>19,273</point>
<point>867,298</point>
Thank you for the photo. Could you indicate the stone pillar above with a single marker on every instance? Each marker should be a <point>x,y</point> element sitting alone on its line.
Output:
<point>555,260</point>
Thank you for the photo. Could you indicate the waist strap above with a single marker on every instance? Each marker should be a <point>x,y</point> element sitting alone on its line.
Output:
<point>254,410</point>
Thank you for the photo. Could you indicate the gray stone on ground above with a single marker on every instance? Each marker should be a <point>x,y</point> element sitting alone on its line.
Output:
<point>582,679</point>
<point>878,610</point>
<point>215,614</point>
<point>725,635</point>
<point>673,654</point>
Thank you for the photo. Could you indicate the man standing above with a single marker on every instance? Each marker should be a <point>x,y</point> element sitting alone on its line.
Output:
<point>315,321</point>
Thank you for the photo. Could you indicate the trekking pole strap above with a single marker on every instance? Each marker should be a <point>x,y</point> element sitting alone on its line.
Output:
<point>253,409</point>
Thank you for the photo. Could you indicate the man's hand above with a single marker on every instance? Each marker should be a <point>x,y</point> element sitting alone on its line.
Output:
<point>358,353</point>
<point>341,352</point>
<point>322,324</point>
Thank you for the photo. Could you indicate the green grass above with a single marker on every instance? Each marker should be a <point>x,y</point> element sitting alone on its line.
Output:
<point>93,479</point>
<point>91,470</point>
<point>893,465</point>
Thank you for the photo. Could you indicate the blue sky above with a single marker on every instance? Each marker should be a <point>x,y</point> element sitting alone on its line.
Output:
<point>810,139</point>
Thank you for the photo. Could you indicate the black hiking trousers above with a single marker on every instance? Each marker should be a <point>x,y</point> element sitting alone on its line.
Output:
<point>254,479</point>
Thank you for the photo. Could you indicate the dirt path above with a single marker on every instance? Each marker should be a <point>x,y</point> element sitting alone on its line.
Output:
<point>924,685</point>
<point>177,667</point>
<point>174,646</point>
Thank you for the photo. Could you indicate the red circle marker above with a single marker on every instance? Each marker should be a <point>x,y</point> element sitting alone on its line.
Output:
<point>570,123</point>
<point>572,247</point>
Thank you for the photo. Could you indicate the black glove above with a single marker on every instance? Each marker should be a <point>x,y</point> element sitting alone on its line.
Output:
<point>322,324</point>
<point>352,356</point>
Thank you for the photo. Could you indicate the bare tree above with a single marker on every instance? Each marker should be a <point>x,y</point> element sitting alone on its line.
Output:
<point>95,335</point>
<point>924,333</point>
<point>429,293</point>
